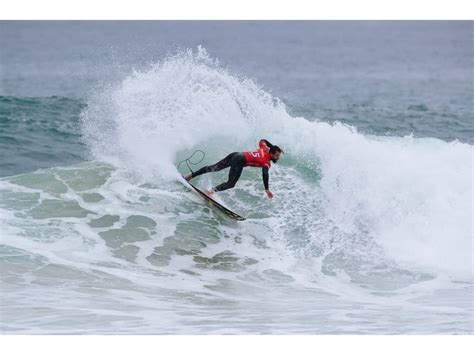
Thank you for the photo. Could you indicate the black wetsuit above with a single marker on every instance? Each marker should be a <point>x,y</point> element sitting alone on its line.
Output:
<point>236,161</point>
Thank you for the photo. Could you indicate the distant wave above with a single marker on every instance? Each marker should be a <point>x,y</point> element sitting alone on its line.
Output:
<point>39,132</point>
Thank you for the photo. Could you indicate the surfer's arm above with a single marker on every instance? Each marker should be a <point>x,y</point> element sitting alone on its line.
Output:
<point>265,177</point>
<point>265,182</point>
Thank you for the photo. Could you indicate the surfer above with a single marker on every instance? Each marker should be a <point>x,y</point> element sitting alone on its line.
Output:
<point>262,157</point>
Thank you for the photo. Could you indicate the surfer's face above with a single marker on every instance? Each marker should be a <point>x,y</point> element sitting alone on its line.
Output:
<point>275,156</point>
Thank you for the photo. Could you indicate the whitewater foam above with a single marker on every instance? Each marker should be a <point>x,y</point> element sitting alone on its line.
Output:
<point>412,195</point>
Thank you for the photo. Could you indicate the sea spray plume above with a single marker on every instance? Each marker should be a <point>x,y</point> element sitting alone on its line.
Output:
<point>183,101</point>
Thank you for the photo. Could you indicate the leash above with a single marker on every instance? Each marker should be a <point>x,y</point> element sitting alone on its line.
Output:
<point>188,160</point>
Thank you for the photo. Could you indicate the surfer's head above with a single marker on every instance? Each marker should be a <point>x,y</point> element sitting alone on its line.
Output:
<point>275,152</point>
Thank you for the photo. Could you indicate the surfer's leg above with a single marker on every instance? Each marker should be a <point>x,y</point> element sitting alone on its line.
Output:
<point>222,164</point>
<point>236,167</point>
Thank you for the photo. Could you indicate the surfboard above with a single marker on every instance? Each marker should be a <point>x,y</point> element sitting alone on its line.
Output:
<point>216,204</point>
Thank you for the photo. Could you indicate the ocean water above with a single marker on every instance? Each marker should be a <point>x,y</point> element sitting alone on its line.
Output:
<point>370,230</point>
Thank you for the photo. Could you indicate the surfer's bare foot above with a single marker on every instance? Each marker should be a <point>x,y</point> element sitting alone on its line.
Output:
<point>209,193</point>
<point>188,177</point>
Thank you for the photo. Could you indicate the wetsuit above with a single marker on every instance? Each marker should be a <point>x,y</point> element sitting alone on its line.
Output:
<point>237,161</point>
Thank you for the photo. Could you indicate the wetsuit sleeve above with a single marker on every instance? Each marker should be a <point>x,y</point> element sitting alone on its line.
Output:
<point>265,177</point>
<point>260,144</point>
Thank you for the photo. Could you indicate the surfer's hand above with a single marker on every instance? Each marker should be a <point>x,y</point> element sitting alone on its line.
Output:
<point>269,193</point>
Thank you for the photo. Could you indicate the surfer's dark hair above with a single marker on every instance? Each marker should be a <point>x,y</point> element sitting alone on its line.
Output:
<point>274,149</point>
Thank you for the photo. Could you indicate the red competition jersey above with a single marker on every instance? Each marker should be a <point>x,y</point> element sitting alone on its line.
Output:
<point>260,157</point>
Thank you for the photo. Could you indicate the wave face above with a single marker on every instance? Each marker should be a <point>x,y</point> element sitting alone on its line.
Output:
<point>366,234</point>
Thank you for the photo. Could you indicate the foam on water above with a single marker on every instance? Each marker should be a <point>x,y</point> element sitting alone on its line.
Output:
<point>365,233</point>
